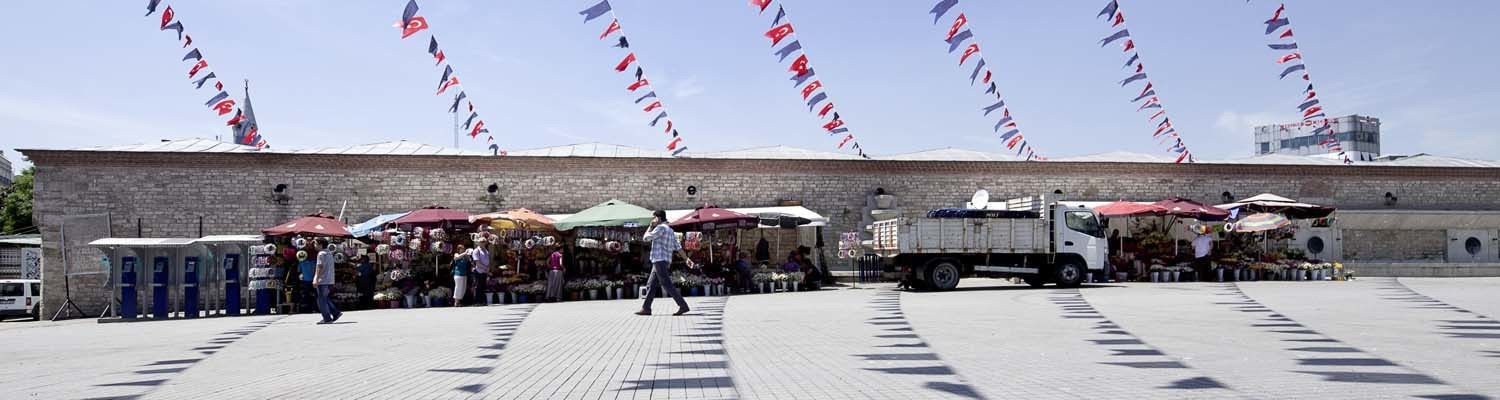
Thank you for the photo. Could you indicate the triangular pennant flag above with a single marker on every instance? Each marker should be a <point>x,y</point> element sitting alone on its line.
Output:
<point>838,131</point>
<point>1129,45</point>
<point>761,4</point>
<point>1132,78</point>
<point>1157,114</point>
<point>826,108</point>
<point>447,72</point>
<point>1304,106</point>
<point>166,17</point>
<point>799,79</point>
<point>1010,134</point>
<point>987,75</point>
<point>624,44</point>
<point>780,14</point>
<point>991,108</point>
<point>1132,60</point>
<point>957,23</point>
<point>651,94</point>
<point>788,49</point>
<point>1286,34</point>
<point>640,74</point>
<point>432,46</point>
<point>652,106</point>
<point>1144,95</point>
<point>941,8</point>
<point>810,88</point>
<point>1289,57</point>
<point>958,40</point>
<point>409,12</point>
<point>614,26</point>
<point>975,75</point>
<point>800,65</point>
<point>971,50</point>
<point>625,63</point>
<point>658,118</point>
<point>151,7</point>
<point>1109,9</point>
<point>1002,122</point>
<point>451,81</point>
<point>669,127</point>
<point>217,98</point>
<point>188,42</point>
<point>199,66</point>
<point>835,124</point>
<point>639,84</point>
<point>779,32</point>
<point>195,55</point>
<point>198,84</point>
<point>1288,46</point>
<point>470,121</point>
<point>1119,19</point>
<point>456,100</point>
<point>813,103</point>
<point>1291,69</point>
<point>674,133</point>
<point>176,26</point>
<point>992,89</point>
<point>218,85</point>
<point>596,11</point>
<point>1273,25</point>
<point>1123,33</point>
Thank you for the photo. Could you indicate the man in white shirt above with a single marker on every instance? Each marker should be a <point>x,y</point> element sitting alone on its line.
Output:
<point>663,244</point>
<point>1202,248</point>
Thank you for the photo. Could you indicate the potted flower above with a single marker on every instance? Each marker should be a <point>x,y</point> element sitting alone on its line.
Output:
<point>439,296</point>
<point>795,279</point>
<point>762,281</point>
<point>1156,272</point>
<point>618,287</point>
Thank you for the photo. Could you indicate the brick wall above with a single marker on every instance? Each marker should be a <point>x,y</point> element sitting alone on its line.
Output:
<point>169,193</point>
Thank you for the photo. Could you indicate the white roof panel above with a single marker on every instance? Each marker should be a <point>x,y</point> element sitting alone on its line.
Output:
<point>1115,156</point>
<point>778,153</point>
<point>591,150</point>
<point>142,242</point>
<point>950,154</point>
<point>230,239</point>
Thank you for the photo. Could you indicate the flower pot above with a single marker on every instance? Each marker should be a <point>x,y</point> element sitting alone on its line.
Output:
<point>1155,276</point>
<point>573,296</point>
<point>411,301</point>
<point>1121,276</point>
<point>589,294</point>
<point>1220,274</point>
<point>521,299</point>
<point>1088,277</point>
<point>394,304</point>
<point>1318,275</point>
<point>765,287</point>
<point>1176,276</point>
<point>619,293</point>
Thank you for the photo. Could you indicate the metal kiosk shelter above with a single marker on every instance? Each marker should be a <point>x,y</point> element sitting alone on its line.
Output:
<point>162,278</point>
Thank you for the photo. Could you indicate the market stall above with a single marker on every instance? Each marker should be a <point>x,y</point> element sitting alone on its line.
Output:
<point>1258,235</point>
<point>273,268</point>
<point>709,236</point>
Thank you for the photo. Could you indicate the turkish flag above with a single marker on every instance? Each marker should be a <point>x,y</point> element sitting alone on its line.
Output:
<point>453,80</point>
<point>653,106</point>
<point>669,127</point>
<point>779,32</point>
<point>166,17</point>
<point>673,144</point>
<point>1312,110</point>
<point>1311,94</point>
<point>614,26</point>
<point>629,58</point>
<point>1147,89</point>
<point>1286,34</point>
<point>826,108</point>
<point>800,65</point>
<point>1289,57</point>
<point>847,138</point>
<point>417,24</point>
<point>835,124</point>
<point>1139,68</point>
<point>811,88</point>
<point>1013,142</point>
<point>1279,10</point>
<point>987,75</point>
<point>189,41</point>
<point>972,50</point>
<point>1129,45</point>
<point>197,67</point>
<point>1119,19</point>
<point>478,127</point>
<point>957,24</point>
<point>638,84</point>
<point>224,107</point>
<point>218,85</point>
<point>440,57</point>
<point>238,116</point>
<point>761,4</point>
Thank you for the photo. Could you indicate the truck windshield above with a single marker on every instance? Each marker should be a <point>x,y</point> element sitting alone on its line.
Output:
<point>1084,222</point>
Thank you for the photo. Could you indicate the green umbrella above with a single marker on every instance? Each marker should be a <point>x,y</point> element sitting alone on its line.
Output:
<point>607,214</point>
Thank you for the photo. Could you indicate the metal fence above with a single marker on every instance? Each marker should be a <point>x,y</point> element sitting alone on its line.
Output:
<point>871,268</point>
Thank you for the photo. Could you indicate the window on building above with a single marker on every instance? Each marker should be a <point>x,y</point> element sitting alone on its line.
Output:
<point>1265,147</point>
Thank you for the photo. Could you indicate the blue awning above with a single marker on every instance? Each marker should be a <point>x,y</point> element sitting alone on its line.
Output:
<point>364,228</point>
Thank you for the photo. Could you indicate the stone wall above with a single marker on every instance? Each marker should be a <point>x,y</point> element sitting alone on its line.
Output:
<point>1365,245</point>
<point>173,194</point>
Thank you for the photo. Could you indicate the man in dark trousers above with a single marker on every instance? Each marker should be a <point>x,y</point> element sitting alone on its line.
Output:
<point>663,244</point>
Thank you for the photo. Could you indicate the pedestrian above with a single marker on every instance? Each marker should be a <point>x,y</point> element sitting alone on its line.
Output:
<point>1202,248</point>
<point>306,266</point>
<point>461,265</point>
<point>481,278</point>
<point>323,279</point>
<point>365,281</point>
<point>743,270</point>
<point>555,276</point>
<point>663,244</point>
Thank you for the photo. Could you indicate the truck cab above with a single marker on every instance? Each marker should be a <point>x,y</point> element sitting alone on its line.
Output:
<point>1080,235</point>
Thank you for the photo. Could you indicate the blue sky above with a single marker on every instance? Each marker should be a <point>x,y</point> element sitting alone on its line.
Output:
<point>330,73</point>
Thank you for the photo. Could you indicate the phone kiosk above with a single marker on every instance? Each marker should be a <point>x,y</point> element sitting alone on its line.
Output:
<point>144,263</point>
<point>224,286</point>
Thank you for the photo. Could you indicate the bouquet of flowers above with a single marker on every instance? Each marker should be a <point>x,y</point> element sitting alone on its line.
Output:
<point>762,277</point>
<point>1325,266</point>
<point>392,294</point>
<point>795,276</point>
<point>534,288</point>
<point>713,281</point>
<point>593,284</point>
<point>440,292</point>
<point>398,274</point>
<point>573,286</point>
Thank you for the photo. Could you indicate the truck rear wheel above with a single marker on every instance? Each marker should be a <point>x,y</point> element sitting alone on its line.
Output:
<point>942,274</point>
<point>1068,274</point>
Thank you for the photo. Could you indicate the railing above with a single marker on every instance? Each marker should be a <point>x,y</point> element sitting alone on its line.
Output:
<point>870,267</point>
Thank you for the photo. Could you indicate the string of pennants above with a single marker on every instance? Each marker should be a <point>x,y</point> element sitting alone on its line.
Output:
<point>243,124</point>
<point>804,76</point>
<point>1166,133</point>
<point>641,84</point>
<point>473,124</point>
<point>1311,107</point>
<point>960,32</point>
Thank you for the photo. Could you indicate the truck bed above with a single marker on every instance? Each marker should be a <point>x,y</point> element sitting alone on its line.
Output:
<point>922,235</point>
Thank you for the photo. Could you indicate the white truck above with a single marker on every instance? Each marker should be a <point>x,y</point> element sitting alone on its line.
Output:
<point>1038,239</point>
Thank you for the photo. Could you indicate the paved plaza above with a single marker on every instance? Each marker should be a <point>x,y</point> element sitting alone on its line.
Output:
<point>1373,338</point>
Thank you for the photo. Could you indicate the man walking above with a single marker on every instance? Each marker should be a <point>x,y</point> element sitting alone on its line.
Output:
<point>323,279</point>
<point>663,244</point>
<point>481,276</point>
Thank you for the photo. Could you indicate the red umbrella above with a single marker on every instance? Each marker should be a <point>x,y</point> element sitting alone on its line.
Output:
<point>319,224</point>
<point>434,216</point>
<point>1177,206</point>
<point>710,218</point>
<point>1128,209</point>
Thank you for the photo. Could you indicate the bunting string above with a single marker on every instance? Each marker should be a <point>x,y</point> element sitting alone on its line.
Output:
<point>1165,133</point>
<point>1279,28</point>
<point>641,84</point>
<point>959,32</point>
<point>462,108</point>
<point>242,124</point>
<point>812,89</point>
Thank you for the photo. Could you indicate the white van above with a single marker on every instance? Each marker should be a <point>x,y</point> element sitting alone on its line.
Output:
<point>20,298</point>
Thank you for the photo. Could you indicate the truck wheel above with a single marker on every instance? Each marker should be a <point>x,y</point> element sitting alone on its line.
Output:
<point>942,274</point>
<point>1034,281</point>
<point>1069,274</point>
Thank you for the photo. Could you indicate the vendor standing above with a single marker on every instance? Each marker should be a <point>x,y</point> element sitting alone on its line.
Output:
<point>1202,248</point>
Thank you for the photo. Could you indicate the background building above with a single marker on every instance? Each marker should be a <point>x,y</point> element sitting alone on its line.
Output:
<point>6,173</point>
<point>1359,135</point>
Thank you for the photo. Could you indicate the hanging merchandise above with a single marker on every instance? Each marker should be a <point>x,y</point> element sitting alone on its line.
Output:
<point>473,125</point>
<point>804,77</point>
<point>1311,108</point>
<point>957,34</point>
<point>1165,134</point>
<point>243,124</point>
<point>674,141</point>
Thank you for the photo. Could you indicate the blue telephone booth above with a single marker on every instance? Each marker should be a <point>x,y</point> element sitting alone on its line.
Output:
<point>159,277</point>
<point>190,287</point>
<point>127,287</point>
<point>232,284</point>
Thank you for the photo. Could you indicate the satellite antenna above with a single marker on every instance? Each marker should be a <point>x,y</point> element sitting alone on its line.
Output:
<point>981,200</point>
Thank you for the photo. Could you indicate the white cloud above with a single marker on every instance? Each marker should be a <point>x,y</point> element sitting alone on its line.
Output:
<point>687,88</point>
